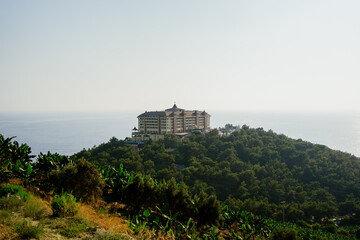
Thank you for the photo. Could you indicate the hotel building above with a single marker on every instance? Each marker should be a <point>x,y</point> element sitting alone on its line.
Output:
<point>155,124</point>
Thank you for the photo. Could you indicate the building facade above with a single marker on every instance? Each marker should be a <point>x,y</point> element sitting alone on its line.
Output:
<point>155,124</point>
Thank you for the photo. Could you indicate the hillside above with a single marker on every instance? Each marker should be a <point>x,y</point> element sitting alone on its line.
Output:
<point>31,217</point>
<point>70,195</point>
<point>260,171</point>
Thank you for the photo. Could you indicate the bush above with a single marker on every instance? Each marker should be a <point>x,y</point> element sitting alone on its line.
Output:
<point>73,227</point>
<point>10,203</point>
<point>82,179</point>
<point>5,216</point>
<point>329,226</point>
<point>10,189</point>
<point>208,209</point>
<point>302,223</point>
<point>15,160</point>
<point>34,208</point>
<point>45,163</point>
<point>64,205</point>
<point>284,234</point>
<point>27,231</point>
<point>357,233</point>
<point>107,236</point>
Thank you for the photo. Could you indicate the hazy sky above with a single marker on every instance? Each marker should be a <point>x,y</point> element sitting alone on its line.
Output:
<point>230,55</point>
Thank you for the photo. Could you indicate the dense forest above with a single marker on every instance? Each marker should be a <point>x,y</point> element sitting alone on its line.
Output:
<point>247,184</point>
<point>253,169</point>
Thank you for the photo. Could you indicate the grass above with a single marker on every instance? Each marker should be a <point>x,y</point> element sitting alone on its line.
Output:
<point>5,216</point>
<point>26,230</point>
<point>34,208</point>
<point>13,190</point>
<point>10,203</point>
<point>81,225</point>
<point>71,227</point>
<point>106,236</point>
<point>64,205</point>
<point>6,232</point>
<point>113,223</point>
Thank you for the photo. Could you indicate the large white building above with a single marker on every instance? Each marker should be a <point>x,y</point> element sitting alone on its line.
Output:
<point>155,124</point>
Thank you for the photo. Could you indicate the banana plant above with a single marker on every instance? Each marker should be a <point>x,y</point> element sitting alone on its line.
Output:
<point>15,159</point>
<point>116,179</point>
<point>51,161</point>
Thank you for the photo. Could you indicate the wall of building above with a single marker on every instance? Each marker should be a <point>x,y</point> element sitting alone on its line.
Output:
<point>173,120</point>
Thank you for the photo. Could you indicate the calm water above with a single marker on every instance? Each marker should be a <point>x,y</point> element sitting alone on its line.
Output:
<point>68,133</point>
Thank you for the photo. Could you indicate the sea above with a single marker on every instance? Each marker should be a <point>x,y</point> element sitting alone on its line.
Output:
<point>67,133</point>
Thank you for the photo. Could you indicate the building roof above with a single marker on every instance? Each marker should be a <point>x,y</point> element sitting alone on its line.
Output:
<point>153,113</point>
<point>172,111</point>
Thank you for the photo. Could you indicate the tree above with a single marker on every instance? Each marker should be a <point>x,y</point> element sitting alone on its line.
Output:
<point>82,179</point>
<point>208,209</point>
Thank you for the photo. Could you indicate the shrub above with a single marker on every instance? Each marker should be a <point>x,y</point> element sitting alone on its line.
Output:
<point>82,178</point>
<point>15,159</point>
<point>34,208</point>
<point>5,216</point>
<point>10,203</point>
<point>13,190</point>
<point>329,226</point>
<point>357,233</point>
<point>107,236</point>
<point>45,163</point>
<point>302,223</point>
<point>64,205</point>
<point>27,231</point>
<point>140,193</point>
<point>284,234</point>
<point>208,209</point>
<point>73,227</point>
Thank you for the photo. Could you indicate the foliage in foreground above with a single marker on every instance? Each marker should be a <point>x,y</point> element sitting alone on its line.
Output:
<point>167,208</point>
<point>26,230</point>
<point>106,236</point>
<point>139,192</point>
<point>73,227</point>
<point>15,160</point>
<point>64,205</point>
<point>284,234</point>
<point>12,190</point>
<point>81,178</point>
<point>10,203</point>
<point>34,208</point>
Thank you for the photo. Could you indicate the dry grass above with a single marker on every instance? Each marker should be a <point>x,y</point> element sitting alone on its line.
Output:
<point>150,235</point>
<point>16,181</point>
<point>7,233</point>
<point>113,223</point>
<point>35,208</point>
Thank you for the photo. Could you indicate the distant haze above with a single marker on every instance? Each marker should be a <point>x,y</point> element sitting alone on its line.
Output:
<point>212,55</point>
<point>68,133</point>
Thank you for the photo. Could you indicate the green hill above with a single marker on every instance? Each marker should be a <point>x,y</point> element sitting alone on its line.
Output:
<point>269,186</point>
<point>260,171</point>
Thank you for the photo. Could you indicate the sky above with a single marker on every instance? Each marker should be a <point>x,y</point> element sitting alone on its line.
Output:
<point>89,55</point>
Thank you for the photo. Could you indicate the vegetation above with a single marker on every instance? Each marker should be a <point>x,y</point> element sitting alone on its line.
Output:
<point>34,208</point>
<point>12,190</point>
<point>250,184</point>
<point>268,174</point>
<point>26,230</point>
<point>81,178</point>
<point>73,227</point>
<point>10,203</point>
<point>15,160</point>
<point>64,205</point>
<point>284,234</point>
<point>107,236</point>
